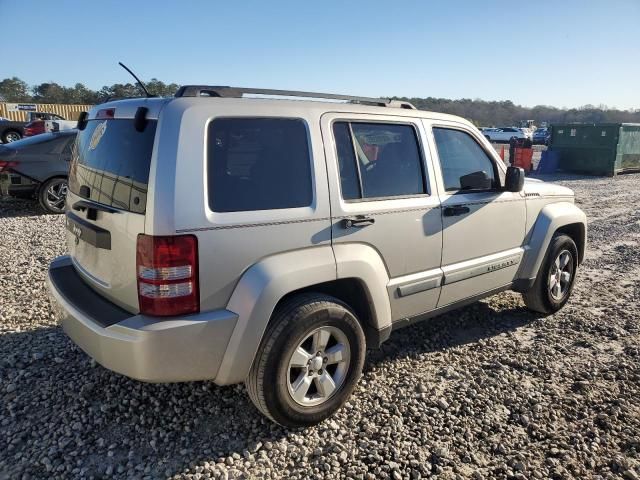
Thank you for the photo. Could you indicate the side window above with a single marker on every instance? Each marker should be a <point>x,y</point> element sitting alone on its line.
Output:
<point>465,165</point>
<point>258,164</point>
<point>378,160</point>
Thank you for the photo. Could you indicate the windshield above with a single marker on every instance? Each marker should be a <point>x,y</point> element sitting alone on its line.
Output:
<point>110,163</point>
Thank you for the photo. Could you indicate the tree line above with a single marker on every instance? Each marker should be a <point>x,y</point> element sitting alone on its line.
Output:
<point>506,113</point>
<point>17,91</point>
<point>480,112</point>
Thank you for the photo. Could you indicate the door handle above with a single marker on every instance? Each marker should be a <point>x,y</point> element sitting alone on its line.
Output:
<point>455,211</point>
<point>358,222</point>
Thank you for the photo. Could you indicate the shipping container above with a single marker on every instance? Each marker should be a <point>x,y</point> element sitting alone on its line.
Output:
<point>597,148</point>
<point>18,111</point>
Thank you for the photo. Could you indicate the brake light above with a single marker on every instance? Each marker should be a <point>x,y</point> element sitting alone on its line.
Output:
<point>167,271</point>
<point>105,113</point>
<point>7,165</point>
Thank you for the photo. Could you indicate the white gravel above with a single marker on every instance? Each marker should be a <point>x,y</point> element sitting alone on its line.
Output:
<point>491,391</point>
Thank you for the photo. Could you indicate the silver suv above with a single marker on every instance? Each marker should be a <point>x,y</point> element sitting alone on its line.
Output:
<point>219,236</point>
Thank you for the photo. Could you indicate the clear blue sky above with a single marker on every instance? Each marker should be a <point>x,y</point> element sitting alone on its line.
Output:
<point>561,52</point>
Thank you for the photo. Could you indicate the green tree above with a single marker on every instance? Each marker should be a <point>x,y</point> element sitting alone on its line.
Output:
<point>50,93</point>
<point>14,90</point>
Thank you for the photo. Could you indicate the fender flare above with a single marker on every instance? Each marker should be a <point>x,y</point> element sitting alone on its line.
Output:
<point>265,283</point>
<point>256,295</point>
<point>549,220</point>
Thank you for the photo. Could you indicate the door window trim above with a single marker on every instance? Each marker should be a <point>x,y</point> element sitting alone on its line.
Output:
<point>421,154</point>
<point>496,169</point>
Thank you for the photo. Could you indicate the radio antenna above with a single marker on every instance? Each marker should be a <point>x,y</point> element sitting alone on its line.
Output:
<point>144,89</point>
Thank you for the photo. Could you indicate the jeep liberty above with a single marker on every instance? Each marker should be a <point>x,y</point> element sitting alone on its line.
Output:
<point>229,235</point>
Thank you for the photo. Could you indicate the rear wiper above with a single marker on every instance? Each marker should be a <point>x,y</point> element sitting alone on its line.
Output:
<point>92,209</point>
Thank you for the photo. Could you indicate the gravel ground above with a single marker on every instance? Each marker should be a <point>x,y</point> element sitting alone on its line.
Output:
<point>491,391</point>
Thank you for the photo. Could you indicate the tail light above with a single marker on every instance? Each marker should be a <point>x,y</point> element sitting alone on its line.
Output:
<point>34,128</point>
<point>167,270</point>
<point>7,165</point>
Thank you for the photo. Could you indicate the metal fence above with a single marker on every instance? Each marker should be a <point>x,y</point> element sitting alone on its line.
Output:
<point>19,111</point>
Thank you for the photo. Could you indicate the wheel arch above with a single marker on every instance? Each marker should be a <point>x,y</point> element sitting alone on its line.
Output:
<point>564,217</point>
<point>279,277</point>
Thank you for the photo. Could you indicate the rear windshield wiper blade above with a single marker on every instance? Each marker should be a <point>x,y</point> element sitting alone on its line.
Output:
<point>82,205</point>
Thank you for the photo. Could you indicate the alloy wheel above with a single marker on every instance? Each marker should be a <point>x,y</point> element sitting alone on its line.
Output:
<point>56,195</point>
<point>318,366</point>
<point>561,275</point>
<point>12,137</point>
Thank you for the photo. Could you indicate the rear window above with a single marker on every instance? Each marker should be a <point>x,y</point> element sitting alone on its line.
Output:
<point>112,159</point>
<point>258,164</point>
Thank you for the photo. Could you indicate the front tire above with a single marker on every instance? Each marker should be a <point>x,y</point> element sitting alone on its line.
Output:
<point>309,361</point>
<point>52,195</point>
<point>556,277</point>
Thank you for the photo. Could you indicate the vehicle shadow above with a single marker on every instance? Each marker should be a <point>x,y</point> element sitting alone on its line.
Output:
<point>16,207</point>
<point>467,325</point>
<point>119,423</point>
<point>564,176</point>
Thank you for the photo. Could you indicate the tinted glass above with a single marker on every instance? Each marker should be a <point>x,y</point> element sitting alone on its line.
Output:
<point>387,157</point>
<point>349,182</point>
<point>258,164</point>
<point>460,155</point>
<point>112,159</point>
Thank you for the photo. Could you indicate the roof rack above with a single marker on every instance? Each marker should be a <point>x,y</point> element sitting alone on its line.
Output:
<point>238,92</point>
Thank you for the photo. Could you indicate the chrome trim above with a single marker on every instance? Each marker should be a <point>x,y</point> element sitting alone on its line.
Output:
<point>482,265</point>
<point>417,282</point>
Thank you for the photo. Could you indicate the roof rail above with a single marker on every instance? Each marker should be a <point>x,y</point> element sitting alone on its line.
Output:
<point>238,92</point>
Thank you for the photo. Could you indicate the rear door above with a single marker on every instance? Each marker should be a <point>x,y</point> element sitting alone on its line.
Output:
<point>106,202</point>
<point>386,201</point>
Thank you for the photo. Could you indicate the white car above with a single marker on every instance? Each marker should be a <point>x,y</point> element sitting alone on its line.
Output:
<point>527,132</point>
<point>503,134</point>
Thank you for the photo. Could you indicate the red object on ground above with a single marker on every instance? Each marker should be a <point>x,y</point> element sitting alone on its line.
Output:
<point>523,157</point>
<point>502,153</point>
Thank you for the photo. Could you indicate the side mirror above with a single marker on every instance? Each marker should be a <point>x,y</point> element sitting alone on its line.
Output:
<point>514,181</point>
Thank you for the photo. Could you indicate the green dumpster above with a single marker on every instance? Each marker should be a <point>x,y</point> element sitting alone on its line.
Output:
<point>597,148</point>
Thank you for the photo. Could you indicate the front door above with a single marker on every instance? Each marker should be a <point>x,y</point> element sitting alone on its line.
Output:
<point>386,206</point>
<point>483,225</point>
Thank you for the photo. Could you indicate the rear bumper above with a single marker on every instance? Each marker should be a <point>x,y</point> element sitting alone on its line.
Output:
<point>145,348</point>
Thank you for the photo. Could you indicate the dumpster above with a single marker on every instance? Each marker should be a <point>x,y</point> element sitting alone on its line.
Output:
<point>597,148</point>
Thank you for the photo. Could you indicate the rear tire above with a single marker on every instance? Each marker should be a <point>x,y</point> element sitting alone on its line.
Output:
<point>309,361</point>
<point>52,195</point>
<point>556,277</point>
<point>11,136</point>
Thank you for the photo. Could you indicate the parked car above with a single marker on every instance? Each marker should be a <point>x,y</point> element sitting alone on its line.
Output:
<point>271,242</point>
<point>38,167</point>
<point>12,131</point>
<point>527,132</point>
<point>503,134</point>
<point>43,126</point>
<point>541,136</point>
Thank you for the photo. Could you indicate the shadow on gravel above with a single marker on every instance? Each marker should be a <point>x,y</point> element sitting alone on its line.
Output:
<point>13,207</point>
<point>562,176</point>
<point>460,327</point>
<point>57,404</point>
